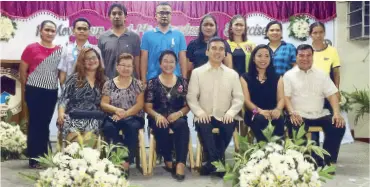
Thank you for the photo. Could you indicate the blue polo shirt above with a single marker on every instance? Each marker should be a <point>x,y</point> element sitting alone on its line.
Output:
<point>284,57</point>
<point>154,41</point>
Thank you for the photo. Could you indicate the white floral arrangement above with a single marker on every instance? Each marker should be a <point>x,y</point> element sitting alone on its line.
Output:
<point>299,27</point>
<point>12,140</point>
<point>7,28</point>
<point>274,166</point>
<point>79,166</point>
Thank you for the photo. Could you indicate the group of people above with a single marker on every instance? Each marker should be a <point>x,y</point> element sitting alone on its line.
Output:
<point>108,87</point>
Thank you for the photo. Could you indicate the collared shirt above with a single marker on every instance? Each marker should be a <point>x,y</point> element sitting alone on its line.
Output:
<point>112,46</point>
<point>308,90</point>
<point>284,57</point>
<point>326,59</point>
<point>70,54</point>
<point>155,41</point>
<point>215,91</point>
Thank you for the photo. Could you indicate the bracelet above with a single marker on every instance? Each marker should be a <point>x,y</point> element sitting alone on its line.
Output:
<point>182,114</point>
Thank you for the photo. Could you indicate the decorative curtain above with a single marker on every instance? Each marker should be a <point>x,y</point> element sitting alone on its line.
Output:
<point>281,11</point>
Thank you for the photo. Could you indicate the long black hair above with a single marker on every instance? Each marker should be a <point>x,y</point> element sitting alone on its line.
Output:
<point>201,35</point>
<point>252,68</point>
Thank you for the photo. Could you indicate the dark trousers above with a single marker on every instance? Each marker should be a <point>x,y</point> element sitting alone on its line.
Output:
<point>41,104</point>
<point>179,138</point>
<point>333,136</point>
<point>130,129</point>
<point>259,123</point>
<point>316,135</point>
<point>215,144</point>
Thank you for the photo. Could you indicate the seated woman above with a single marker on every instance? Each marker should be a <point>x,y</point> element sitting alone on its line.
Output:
<point>123,99</point>
<point>165,103</point>
<point>263,93</point>
<point>79,105</point>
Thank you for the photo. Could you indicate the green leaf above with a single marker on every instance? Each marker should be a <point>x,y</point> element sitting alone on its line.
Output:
<point>219,166</point>
<point>229,177</point>
<point>301,131</point>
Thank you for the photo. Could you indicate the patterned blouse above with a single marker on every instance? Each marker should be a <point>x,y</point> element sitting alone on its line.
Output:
<point>126,97</point>
<point>157,94</point>
<point>84,98</point>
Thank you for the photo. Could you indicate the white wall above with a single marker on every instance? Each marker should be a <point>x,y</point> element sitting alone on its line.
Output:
<point>354,66</point>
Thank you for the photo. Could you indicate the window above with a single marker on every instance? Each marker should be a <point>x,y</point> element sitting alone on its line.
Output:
<point>358,20</point>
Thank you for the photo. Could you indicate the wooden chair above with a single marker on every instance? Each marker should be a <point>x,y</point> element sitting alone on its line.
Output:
<point>313,129</point>
<point>198,162</point>
<point>141,153</point>
<point>153,153</point>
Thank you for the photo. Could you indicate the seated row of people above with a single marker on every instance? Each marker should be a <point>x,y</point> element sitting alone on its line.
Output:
<point>215,95</point>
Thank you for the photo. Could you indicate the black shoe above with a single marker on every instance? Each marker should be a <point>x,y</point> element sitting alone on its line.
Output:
<point>206,170</point>
<point>176,176</point>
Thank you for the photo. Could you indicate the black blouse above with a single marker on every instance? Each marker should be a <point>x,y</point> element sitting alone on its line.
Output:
<point>239,61</point>
<point>196,52</point>
<point>264,95</point>
<point>156,93</point>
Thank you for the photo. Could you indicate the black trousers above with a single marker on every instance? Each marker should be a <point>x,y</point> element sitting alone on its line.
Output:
<point>333,136</point>
<point>259,123</point>
<point>179,138</point>
<point>316,135</point>
<point>130,129</point>
<point>41,104</point>
<point>215,144</point>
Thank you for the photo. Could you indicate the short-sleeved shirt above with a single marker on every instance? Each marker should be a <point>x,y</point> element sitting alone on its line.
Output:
<point>42,65</point>
<point>196,52</point>
<point>123,97</point>
<point>70,54</point>
<point>112,46</point>
<point>308,90</point>
<point>284,57</point>
<point>155,41</point>
<point>326,59</point>
<point>156,93</point>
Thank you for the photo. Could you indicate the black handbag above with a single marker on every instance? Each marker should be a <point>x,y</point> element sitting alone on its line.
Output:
<point>87,114</point>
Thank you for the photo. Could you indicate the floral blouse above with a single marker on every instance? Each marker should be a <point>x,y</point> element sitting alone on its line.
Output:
<point>157,94</point>
<point>84,98</point>
<point>126,97</point>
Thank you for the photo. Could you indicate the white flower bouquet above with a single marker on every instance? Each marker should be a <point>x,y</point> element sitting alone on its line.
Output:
<point>7,28</point>
<point>274,166</point>
<point>299,27</point>
<point>276,162</point>
<point>80,166</point>
<point>12,140</point>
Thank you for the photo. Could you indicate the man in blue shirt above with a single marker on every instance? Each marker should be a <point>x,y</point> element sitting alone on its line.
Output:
<point>163,37</point>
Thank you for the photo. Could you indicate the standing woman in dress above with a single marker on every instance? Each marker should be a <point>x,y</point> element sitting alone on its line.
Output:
<point>39,77</point>
<point>241,47</point>
<point>196,51</point>
<point>284,54</point>
<point>79,105</point>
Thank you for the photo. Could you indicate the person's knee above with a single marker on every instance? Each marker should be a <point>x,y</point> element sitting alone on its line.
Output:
<point>180,124</point>
<point>134,125</point>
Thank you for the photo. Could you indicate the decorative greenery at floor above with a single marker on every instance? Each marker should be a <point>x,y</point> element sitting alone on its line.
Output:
<point>80,165</point>
<point>276,162</point>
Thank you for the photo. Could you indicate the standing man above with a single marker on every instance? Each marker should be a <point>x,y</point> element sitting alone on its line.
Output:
<point>163,37</point>
<point>119,40</point>
<point>306,88</point>
<point>215,97</point>
<point>81,30</point>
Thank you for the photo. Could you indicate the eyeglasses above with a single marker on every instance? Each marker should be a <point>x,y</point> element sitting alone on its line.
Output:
<point>120,13</point>
<point>91,58</point>
<point>82,28</point>
<point>122,65</point>
<point>164,13</point>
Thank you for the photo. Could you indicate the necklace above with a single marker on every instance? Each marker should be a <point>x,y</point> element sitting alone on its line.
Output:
<point>168,93</point>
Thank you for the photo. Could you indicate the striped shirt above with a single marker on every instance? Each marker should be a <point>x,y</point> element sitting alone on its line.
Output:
<point>284,57</point>
<point>43,65</point>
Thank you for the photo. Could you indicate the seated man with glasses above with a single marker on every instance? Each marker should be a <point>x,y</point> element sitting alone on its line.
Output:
<point>81,31</point>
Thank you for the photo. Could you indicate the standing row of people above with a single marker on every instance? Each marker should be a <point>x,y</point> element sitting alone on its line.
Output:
<point>104,79</point>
